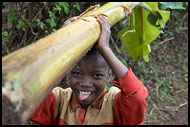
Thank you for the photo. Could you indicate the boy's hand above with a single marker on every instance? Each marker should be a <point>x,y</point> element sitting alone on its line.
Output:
<point>105,31</point>
<point>117,67</point>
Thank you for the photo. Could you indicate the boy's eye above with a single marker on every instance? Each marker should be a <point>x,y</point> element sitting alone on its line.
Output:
<point>76,73</point>
<point>98,76</point>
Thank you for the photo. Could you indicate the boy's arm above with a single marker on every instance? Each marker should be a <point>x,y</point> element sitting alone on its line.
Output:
<point>130,103</point>
<point>117,67</point>
<point>102,45</point>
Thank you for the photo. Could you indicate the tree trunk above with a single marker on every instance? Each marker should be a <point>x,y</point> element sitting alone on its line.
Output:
<point>30,73</point>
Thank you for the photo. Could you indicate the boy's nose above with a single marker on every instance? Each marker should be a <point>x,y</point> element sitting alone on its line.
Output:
<point>86,82</point>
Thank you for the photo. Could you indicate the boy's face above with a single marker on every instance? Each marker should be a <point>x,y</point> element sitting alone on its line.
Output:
<point>88,78</point>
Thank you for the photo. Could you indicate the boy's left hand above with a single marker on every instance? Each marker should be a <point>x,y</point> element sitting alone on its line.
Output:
<point>105,32</point>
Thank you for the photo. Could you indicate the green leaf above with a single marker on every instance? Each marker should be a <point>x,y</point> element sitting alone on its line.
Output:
<point>46,31</point>
<point>51,22</point>
<point>66,10</point>
<point>57,8</point>
<point>12,16</point>
<point>40,24</point>
<point>77,6</point>
<point>5,34</point>
<point>4,37</point>
<point>64,5</point>
<point>173,5</point>
<point>15,12</point>
<point>152,19</point>
<point>107,88</point>
<point>21,25</point>
<point>53,30</point>
<point>186,79</point>
<point>146,51</point>
<point>170,33</point>
<point>137,43</point>
<point>51,14</point>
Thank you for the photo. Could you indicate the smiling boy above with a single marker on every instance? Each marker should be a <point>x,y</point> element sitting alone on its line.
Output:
<point>86,101</point>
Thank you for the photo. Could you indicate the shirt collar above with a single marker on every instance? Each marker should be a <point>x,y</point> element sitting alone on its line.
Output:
<point>96,104</point>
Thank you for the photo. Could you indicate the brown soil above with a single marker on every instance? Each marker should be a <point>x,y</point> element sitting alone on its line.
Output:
<point>169,60</point>
<point>165,75</point>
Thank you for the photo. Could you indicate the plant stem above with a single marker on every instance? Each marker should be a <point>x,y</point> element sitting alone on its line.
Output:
<point>149,9</point>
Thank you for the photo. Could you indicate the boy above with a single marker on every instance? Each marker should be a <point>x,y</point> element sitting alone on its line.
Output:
<point>86,101</point>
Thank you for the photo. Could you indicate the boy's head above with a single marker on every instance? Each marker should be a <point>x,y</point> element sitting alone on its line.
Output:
<point>89,77</point>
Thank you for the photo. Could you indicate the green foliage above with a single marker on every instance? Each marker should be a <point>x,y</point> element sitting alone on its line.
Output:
<point>40,24</point>
<point>62,5</point>
<point>5,37</point>
<point>5,34</point>
<point>52,20</point>
<point>12,16</point>
<point>164,89</point>
<point>21,25</point>
<point>57,8</point>
<point>186,79</point>
<point>172,5</point>
<point>46,31</point>
<point>170,32</point>
<point>107,87</point>
<point>137,44</point>
<point>53,30</point>
<point>77,6</point>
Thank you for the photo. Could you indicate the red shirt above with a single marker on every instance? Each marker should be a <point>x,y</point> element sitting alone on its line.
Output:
<point>123,104</point>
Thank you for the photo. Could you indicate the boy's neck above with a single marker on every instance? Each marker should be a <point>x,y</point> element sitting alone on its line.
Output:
<point>84,106</point>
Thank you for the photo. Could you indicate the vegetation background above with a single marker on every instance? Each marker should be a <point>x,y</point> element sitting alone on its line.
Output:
<point>165,75</point>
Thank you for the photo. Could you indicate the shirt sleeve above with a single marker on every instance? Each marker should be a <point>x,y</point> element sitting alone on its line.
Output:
<point>45,113</point>
<point>130,104</point>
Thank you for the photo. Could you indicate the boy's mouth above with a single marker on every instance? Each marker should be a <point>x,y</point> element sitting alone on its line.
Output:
<point>83,95</point>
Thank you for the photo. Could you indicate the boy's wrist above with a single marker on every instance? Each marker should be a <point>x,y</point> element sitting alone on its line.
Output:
<point>101,49</point>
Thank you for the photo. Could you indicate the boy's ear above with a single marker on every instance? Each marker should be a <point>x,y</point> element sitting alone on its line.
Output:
<point>109,76</point>
<point>110,72</point>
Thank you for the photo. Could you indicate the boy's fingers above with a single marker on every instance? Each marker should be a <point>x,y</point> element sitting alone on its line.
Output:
<point>103,22</point>
<point>101,16</point>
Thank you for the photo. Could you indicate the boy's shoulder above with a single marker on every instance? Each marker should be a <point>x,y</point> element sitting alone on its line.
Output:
<point>60,89</point>
<point>114,89</point>
<point>111,93</point>
<point>61,93</point>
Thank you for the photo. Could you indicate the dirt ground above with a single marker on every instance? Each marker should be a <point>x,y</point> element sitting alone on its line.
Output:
<point>166,74</point>
<point>172,108</point>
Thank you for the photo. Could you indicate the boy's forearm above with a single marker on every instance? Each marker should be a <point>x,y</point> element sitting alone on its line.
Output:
<point>118,68</point>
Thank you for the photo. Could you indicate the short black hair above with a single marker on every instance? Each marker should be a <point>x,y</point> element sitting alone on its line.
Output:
<point>94,51</point>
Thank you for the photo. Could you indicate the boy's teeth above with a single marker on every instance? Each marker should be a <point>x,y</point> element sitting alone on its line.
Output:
<point>84,92</point>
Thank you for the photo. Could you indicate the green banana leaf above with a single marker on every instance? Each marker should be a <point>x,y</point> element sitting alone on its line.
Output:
<point>147,28</point>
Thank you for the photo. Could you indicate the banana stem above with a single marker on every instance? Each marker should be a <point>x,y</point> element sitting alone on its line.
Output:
<point>149,9</point>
